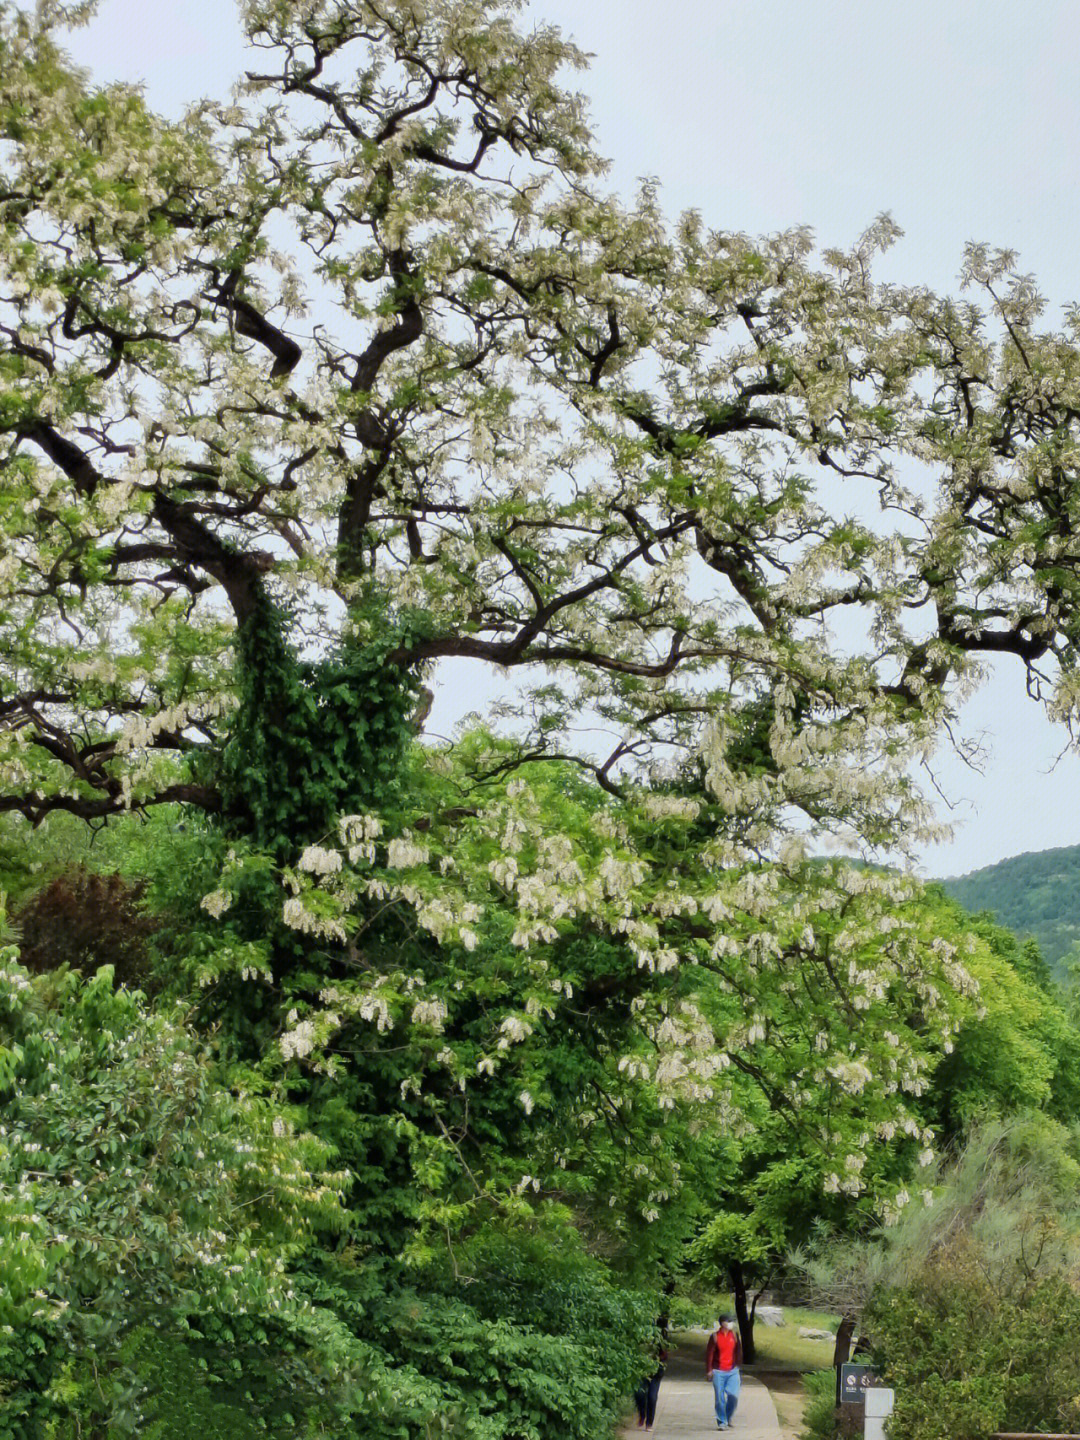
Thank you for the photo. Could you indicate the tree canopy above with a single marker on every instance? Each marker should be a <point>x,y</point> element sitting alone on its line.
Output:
<point>366,366</point>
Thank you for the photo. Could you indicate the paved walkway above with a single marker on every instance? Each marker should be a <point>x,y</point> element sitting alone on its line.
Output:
<point>685,1407</point>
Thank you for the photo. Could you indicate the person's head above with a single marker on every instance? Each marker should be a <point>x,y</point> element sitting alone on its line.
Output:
<point>727,1322</point>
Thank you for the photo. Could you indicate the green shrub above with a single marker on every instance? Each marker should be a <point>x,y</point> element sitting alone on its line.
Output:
<point>822,1418</point>
<point>967,1359</point>
<point>145,1206</point>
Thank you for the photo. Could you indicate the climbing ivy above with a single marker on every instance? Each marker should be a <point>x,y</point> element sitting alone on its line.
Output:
<point>311,738</point>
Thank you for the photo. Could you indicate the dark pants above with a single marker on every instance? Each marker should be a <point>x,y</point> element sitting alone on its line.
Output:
<point>645,1399</point>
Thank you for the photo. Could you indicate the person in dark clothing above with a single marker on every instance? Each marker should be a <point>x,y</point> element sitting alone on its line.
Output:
<point>649,1390</point>
<point>723,1356</point>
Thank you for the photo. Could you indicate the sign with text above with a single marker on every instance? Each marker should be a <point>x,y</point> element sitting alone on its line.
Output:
<point>855,1380</point>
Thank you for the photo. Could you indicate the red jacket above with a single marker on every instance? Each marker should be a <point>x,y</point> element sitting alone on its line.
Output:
<point>712,1352</point>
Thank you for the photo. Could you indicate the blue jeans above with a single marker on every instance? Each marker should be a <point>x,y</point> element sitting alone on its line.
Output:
<point>725,1384</point>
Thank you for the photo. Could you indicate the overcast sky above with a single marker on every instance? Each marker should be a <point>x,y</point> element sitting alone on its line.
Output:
<point>957,116</point>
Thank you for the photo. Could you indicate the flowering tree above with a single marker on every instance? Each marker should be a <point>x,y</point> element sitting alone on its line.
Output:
<point>363,371</point>
<point>369,352</point>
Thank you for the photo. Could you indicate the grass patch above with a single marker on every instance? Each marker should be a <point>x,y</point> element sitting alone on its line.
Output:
<point>779,1347</point>
<point>783,1348</point>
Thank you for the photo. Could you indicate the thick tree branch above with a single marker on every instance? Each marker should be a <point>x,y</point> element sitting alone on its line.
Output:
<point>239,573</point>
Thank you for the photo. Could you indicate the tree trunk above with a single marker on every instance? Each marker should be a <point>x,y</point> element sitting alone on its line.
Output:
<point>844,1334</point>
<point>842,1349</point>
<point>743,1313</point>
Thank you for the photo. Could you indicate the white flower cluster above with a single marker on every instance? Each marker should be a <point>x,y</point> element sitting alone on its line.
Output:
<point>853,1075</point>
<point>216,903</point>
<point>513,1030</point>
<point>403,852</point>
<point>298,917</point>
<point>430,1013</point>
<point>670,807</point>
<point>359,833</point>
<point>317,860</point>
<point>299,1042</point>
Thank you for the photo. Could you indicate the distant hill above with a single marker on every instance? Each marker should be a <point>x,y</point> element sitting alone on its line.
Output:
<point>1036,894</point>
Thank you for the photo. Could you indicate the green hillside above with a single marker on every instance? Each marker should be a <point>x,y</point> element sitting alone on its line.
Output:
<point>1034,894</point>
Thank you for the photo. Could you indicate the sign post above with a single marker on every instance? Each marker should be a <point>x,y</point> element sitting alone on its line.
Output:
<point>879,1406</point>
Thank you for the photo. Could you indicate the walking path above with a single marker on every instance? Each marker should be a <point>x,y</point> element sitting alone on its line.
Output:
<point>685,1407</point>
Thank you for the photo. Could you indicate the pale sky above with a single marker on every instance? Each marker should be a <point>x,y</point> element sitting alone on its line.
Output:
<point>957,116</point>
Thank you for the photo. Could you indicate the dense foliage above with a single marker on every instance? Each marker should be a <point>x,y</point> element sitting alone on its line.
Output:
<point>1033,894</point>
<point>970,1307</point>
<point>1016,1049</point>
<point>490,1113</point>
<point>146,1206</point>
<point>1023,1370</point>
<point>982,1335</point>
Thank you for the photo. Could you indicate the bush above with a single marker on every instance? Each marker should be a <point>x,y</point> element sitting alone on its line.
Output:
<point>967,1359</point>
<point>84,921</point>
<point>972,1304</point>
<point>822,1418</point>
<point>524,1337</point>
<point>148,1211</point>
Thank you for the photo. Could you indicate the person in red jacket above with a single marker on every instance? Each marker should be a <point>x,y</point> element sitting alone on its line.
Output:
<point>723,1356</point>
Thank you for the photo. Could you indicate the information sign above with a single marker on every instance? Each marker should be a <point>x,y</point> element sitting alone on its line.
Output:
<point>855,1380</point>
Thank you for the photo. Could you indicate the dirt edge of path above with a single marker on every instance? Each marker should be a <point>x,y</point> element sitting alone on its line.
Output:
<point>789,1396</point>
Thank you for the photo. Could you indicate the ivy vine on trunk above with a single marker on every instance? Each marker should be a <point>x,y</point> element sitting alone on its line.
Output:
<point>312,739</point>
